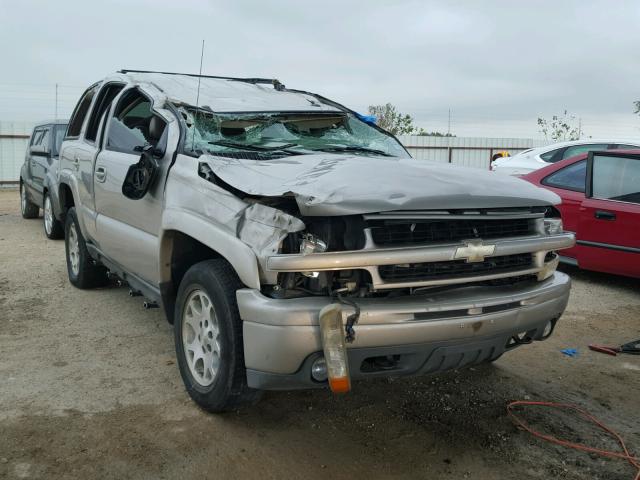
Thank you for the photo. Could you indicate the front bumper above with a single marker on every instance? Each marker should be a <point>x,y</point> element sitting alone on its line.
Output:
<point>429,332</point>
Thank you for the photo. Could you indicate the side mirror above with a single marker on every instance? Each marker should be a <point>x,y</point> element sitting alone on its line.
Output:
<point>140,176</point>
<point>40,150</point>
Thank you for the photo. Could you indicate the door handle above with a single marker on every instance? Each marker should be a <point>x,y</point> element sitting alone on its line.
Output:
<point>604,215</point>
<point>76,162</point>
<point>101,174</point>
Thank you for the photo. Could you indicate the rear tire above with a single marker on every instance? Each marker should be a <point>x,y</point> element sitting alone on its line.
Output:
<point>28,209</point>
<point>208,338</point>
<point>53,228</point>
<point>83,272</point>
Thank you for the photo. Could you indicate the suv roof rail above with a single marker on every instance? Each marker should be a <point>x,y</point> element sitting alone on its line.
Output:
<point>268,81</point>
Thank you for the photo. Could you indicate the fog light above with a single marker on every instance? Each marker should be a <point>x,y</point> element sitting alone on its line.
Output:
<point>319,369</point>
<point>553,226</point>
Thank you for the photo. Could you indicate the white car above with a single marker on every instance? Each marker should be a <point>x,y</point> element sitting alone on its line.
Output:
<point>535,158</point>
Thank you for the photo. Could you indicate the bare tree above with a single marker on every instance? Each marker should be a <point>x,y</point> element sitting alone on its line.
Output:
<point>560,128</point>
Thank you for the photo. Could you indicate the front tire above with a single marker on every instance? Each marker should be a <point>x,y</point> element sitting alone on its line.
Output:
<point>83,272</point>
<point>208,338</point>
<point>28,209</point>
<point>53,228</point>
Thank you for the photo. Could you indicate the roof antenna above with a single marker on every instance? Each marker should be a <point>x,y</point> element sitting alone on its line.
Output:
<point>193,138</point>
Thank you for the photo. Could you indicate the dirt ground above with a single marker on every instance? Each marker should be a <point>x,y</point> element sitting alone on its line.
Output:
<point>89,388</point>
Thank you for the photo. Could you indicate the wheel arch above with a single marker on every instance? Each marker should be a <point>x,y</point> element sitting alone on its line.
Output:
<point>65,199</point>
<point>186,240</point>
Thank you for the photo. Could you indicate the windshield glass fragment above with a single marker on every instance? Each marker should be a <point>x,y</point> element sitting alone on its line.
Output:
<point>265,133</point>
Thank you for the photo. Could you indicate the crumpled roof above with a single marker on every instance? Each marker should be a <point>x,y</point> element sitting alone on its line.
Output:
<point>229,95</point>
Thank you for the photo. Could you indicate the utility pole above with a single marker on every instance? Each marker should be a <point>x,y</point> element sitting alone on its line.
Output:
<point>579,127</point>
<point>56,109</point>
<point>449,124</point>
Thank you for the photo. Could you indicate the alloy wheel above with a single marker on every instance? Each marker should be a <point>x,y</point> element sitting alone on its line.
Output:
<point>74,250</point>
<point>48,215</point>
<point>201,338</point>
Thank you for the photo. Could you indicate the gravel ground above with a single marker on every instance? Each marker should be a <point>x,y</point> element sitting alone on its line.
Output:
<point>89,388</point>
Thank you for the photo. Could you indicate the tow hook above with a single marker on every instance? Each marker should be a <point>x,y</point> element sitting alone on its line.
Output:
<point>335,348</point>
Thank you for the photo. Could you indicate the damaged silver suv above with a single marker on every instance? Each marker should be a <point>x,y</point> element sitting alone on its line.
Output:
<point>292,243</point>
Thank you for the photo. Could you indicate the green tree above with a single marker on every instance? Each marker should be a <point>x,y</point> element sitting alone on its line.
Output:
<point>389,118</point>
<point>560,127</point>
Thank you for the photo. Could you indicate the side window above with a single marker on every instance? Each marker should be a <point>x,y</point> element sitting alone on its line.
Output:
<point>616,178</point>
<point>36,136</point>
<point>77,118</point>
<point>569,178</point>
<point>45,141</point>
<point>548,155</point>
<point>627,147</point>
<point>131,126</point>
<point>58,136</point>
<point>103,101</point>
<point>578,149</point>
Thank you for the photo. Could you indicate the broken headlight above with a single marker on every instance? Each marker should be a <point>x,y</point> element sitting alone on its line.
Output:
<point>549,267</point>
<point>553,226</point>
<point>312,244</point>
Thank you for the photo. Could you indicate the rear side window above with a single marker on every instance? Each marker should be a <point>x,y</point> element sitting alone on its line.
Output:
<point>569,178</point>
<point>45,140</point>
<point>578,149</point>
<point>622,146</point>
<point>616,178</point>
<point>80,112</point>
<point>36,136</point>
<point>549,155</point>
<point>103,102</point>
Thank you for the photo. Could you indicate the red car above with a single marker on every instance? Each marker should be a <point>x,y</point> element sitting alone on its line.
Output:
<point>601,203</point>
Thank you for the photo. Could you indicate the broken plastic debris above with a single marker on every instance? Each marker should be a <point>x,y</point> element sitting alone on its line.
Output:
<point>570,352</point>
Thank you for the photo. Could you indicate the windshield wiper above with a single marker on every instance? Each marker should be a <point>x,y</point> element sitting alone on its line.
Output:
<point>353,148</point>
<point>254,148</point>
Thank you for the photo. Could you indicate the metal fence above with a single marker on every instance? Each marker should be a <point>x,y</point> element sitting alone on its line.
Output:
<point>14,137</point>
<point>475,152</point>
<point>467,151</point>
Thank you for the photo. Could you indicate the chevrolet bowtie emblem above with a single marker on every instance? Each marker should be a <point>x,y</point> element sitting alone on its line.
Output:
<point>474,251</point>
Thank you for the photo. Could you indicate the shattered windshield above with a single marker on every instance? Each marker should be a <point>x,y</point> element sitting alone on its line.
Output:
<point>285,134</point>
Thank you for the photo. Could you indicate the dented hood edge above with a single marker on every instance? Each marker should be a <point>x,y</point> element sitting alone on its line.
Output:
<point>343,184</point>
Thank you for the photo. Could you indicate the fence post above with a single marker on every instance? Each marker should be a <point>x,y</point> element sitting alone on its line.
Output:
<point>450,150</point>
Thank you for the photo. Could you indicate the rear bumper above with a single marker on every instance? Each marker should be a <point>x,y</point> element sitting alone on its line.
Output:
<point>430,333</point>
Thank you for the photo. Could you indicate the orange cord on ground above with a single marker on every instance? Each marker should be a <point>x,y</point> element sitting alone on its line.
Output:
<point>625,455</point>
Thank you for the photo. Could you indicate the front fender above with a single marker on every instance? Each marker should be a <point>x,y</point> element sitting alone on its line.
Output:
<point>68,178</point>
<point>202,229</point>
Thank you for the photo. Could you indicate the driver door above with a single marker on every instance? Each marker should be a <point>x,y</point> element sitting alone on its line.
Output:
<point>609,235</point>
<point>127,230</point>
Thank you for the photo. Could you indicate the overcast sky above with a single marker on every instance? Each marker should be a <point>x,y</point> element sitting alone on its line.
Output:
<point>496,65</point>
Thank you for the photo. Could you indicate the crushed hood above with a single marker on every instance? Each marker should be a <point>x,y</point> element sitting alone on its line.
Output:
<point>331,184</point>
